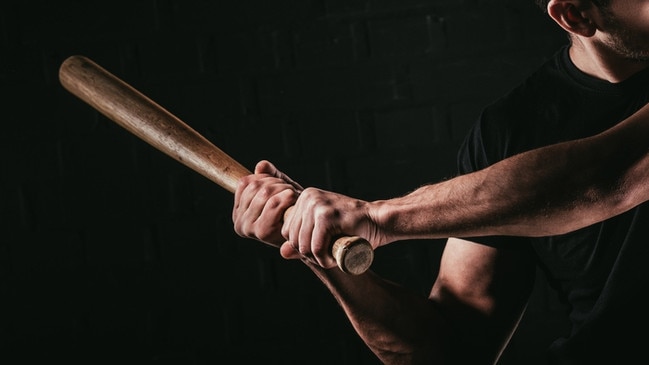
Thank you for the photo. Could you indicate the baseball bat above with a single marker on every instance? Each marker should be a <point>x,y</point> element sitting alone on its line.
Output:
<point>141,116</point>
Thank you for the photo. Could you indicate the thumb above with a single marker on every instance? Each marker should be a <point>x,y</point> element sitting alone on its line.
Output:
<point>288,251</point>
<point>266,167</point>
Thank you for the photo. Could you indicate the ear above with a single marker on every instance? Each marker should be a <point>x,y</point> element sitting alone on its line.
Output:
<point>572,16</point>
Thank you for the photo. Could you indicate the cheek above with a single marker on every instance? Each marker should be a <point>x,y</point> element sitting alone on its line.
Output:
<point>635,15</point>
<point>631,19</point>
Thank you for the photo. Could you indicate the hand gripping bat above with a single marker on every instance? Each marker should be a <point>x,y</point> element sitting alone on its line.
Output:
<point>141,116</point>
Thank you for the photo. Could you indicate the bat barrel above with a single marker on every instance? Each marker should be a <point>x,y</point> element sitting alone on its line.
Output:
<point>146,119</point>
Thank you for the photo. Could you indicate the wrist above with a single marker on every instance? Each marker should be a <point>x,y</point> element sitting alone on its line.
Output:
<point>383,216</point>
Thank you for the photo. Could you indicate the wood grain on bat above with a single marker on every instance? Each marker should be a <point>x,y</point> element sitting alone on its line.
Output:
<point>152,123</point>
<point>149,121</point>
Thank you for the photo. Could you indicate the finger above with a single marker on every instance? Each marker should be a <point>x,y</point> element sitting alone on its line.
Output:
<point>246,191</point>
<point>286,222</point>
<point>271,219</point>
<point>266,167</point>
<point>252,207</point>
<point>291,231</point>
<point>240,207</point>
<point>280,202</point>
<point>320,240</point>
<point>304,237</point>
<point>287,250</point>
<point>291,228</point>
<point>249,202</point>
<point>238,193</point>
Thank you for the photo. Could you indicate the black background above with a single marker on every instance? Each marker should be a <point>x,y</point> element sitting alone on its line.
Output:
<point>111,252</point>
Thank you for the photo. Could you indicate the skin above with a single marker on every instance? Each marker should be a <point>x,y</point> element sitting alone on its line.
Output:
<point>481,292</point>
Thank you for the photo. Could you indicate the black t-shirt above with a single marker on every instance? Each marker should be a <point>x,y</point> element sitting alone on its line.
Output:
<point>601,271</point>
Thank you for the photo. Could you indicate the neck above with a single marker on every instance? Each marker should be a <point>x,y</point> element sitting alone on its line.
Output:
<point>602,63</point>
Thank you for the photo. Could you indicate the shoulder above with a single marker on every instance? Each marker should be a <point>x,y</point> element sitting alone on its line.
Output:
<point>529,101</point>
<point>521,119</point>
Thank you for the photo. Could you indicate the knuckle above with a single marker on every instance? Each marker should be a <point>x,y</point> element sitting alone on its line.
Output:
<point>325,212</point>
<point>320,250</point>
<point>285,231</point>
<point>265,234</point>
<point>310,193</point>
<point>274,201</point>
<point>263,191</point>
<point>247,180</point>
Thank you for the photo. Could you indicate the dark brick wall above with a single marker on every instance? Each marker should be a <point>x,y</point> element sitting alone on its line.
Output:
<point>111,252</point>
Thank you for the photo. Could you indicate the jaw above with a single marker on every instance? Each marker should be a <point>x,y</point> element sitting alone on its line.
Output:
<point>597,57</point>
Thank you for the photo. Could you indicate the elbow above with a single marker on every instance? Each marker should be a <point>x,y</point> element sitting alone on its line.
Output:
<point>413,349</point>
<point>405,339</point>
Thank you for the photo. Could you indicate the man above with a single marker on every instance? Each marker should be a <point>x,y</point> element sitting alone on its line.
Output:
<point>486,276</point>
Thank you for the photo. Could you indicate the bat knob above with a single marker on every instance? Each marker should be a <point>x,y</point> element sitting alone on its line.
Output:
<point>354,254</point>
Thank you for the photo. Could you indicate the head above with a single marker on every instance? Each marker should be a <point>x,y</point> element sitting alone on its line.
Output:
<point>620,27</point>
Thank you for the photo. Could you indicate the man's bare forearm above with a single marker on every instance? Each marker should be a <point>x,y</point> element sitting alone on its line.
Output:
<point>397,325</point>
<point>546,191</point>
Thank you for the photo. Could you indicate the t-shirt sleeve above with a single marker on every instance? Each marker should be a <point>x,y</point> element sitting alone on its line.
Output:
<point>471,155</point>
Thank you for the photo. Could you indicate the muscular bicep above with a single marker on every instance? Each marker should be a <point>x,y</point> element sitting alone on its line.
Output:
<point>482,292</point>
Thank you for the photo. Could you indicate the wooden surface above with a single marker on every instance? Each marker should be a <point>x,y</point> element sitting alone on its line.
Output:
<point>155,125</point>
